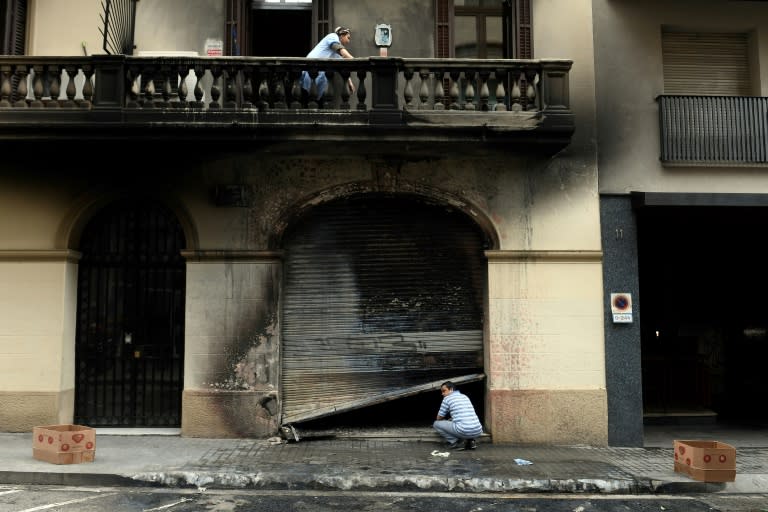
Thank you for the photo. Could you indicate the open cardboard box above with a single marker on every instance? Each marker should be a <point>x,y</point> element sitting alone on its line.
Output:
<point>707,461</point>
<point>64,444</point>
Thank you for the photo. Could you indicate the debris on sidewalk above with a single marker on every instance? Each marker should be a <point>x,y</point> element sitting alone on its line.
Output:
<point>290,433</point>
<point>523,462</point>
<point>438,453</point>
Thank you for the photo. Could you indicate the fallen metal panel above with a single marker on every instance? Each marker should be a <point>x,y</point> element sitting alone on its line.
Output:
<point>379,398</point>
<point>343,371</point>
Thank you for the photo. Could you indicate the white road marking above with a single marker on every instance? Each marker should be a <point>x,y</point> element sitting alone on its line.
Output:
<point>168,505</point>
<point>9,492</point>
<point>63,503</point>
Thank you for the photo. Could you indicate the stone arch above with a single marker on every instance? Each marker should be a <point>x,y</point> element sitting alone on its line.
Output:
<point>88,204</point>
<point>84,209</point>
<point>425,192</point>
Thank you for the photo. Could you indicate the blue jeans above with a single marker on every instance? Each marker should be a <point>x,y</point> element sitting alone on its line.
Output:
<point>447,429</point>
<point>321,83</point>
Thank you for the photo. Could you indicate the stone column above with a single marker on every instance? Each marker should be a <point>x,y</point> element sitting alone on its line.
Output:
<point>546,359</point>
<point>38,293</point>
<point>231,361</point>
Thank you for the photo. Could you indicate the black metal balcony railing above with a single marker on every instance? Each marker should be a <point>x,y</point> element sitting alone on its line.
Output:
<point>714,130</point>
<point>502,95</point>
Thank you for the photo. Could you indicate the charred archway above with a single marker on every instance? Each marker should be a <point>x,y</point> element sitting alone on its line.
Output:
<point>383,297</point>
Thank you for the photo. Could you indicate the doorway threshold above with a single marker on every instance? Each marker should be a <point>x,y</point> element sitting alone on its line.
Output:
<point>138,431</point>
<point>680,417</point>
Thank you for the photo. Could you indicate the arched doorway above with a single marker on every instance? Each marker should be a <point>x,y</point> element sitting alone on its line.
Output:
<point>383,298</point>
<point>129,347</point>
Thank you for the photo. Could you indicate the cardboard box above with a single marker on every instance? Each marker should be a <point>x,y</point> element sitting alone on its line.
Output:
<point>707,461</point>
<point>64,444</point>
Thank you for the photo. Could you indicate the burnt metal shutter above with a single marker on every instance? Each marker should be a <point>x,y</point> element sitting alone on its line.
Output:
<point>383,297</point>
<point>701,63</point>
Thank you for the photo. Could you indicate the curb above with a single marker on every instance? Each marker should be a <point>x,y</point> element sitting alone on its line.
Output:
<point>67,479</point>
<point>312,480</point>
<point>692,487</point>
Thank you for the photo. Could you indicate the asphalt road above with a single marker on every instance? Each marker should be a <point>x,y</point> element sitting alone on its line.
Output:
<point>116,499</point>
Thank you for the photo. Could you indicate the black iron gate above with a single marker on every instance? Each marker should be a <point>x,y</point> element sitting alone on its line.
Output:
<point>130,318</point>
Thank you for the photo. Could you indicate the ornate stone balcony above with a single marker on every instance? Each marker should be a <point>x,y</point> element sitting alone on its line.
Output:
<point>520,104</point>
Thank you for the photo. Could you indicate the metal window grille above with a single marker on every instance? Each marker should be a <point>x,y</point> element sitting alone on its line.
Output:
<point>119,20</point>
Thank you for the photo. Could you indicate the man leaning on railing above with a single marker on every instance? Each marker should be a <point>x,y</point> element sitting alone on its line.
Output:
<point>332,46</point>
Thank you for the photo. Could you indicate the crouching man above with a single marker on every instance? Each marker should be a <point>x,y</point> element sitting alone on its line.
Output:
<point>457,420</point>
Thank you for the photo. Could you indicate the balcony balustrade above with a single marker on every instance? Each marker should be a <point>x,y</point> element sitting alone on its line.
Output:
<point>714,130</point>
<point>506,98</point>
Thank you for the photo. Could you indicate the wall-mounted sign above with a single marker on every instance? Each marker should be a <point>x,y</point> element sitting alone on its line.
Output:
<point>621,307</point>
<point>382,35</point>
<point>214,47</point>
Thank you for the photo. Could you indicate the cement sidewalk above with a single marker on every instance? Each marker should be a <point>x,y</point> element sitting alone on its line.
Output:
<point>372,464</point>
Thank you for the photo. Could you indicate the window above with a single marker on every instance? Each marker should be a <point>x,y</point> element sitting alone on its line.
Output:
<point>484,29</point>
<point>478,30</point>
<point>706,63</point>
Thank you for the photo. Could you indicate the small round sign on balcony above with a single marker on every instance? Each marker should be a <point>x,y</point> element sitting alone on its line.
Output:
<point>621,308</point>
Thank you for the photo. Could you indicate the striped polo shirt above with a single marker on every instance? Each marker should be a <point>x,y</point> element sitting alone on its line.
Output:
<point>459,408</point>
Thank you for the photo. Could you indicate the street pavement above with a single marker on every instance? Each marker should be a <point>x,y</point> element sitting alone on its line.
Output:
<point>376,461</point>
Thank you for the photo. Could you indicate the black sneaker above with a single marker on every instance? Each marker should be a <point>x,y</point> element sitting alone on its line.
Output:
<point>456,445</point>
<point>470,444</point>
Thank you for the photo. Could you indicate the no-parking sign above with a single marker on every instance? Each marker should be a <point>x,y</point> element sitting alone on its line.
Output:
<point>621,307</point>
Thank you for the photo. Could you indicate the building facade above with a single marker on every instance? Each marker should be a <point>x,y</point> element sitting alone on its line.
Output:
<point>681,90</point>
<point>185,241</point>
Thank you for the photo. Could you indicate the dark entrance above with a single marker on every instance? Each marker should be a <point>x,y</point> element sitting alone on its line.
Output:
<point>130,318</point>
<point>704,318</point>
<point>383,300</point>
<point>281,32</point>
<point>275,28</point>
